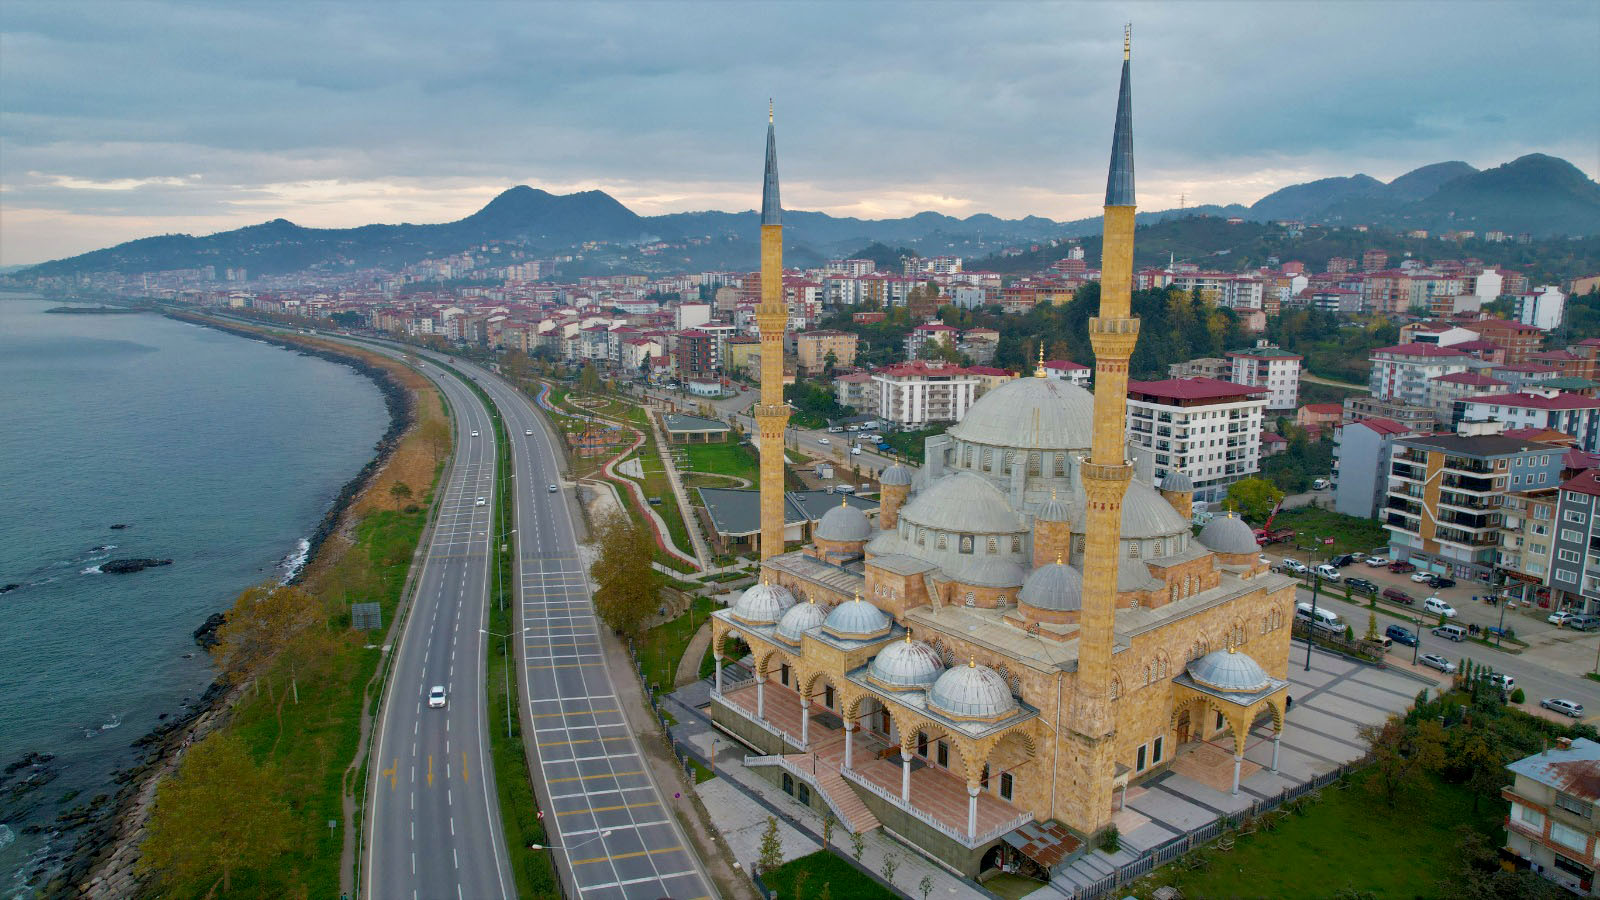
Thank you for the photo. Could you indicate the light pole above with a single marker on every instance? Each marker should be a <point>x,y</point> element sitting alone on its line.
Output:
<point>505,657</point>
<point>567,849</point>
<point>1311,626</point>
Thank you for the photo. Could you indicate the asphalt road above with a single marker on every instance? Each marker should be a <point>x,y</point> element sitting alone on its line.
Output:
<point>433,823</point>
<point>615,837</point>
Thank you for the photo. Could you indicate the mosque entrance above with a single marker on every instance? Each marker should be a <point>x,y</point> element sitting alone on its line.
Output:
<point>1183,728</point>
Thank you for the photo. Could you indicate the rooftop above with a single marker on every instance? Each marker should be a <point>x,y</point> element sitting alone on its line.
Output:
<point>1476,444</point>
<point>1539,401</point>
<point>680,424</point>
<point>1572,770</point>
<point>1421,350</point>
<point>1470,378</point>
<point>1198,388</point>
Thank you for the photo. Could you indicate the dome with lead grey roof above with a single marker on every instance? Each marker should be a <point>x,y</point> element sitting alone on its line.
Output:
<point>1056,586</point>
<point>895,475</point>
<point>1054,510</point>
<point>1030,413</point>
<point>857,620</point>
<point>1229,671</point>
<point>1229,534</point>
<point>1145,513</point>
<point>963,503</point>
<point>906,665</point>
<point>800,618</point>
<point>972,692</point>
<point>844,523</point>
<point>981,570</point>
<point>762,604</point>
<point>1177,482</point>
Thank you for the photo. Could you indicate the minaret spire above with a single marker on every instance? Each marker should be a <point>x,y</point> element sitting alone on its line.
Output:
<point>1106,474</point>
<point>772,316</point>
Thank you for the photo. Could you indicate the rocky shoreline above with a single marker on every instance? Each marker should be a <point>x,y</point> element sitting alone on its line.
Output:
<point>101,862</point>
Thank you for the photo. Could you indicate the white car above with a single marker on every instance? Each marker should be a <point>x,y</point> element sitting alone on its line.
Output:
<point>1561,617</point>
<point>1377,562</point>
<point>436,697</point>
<point>1295,566</point>
<point>821,440</point>
<point>481,502</point>
<point>1438,607</point>
<point>1421,577</point>
<point>855,451</point>
<point>1327,572</point>
<point>474,434</point>
<point>554,489</point>
<point>528,432</point>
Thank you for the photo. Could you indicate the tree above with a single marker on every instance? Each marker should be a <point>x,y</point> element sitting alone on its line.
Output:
<point>589,379</point>
<point>925,886</point>
<point>1253,498</point>
<point>891,863</point>
<point>1485,765</point>
<point>262,622</point>
<point>400,490</point>
<point>858,843</point>
<point>1372,626</point>
<point>800,879</point>
<point>218,814</point>
<point>1403,754</point>
<point>827,829</point>
<point>771,853</point>
<point>628,584</point>
<point>830,360</point>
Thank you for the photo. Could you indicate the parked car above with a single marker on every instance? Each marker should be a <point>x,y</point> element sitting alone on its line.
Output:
<point>1342,560</point>
<point>1295,566</point>
<point>821,440</point>
<point>1435,661</point>
<point>855,450</point>
<point>1561,617</point>
<point>1438,607</point>
<point>1327,572</point>
<point>1419,577</point>
<point>1401,635</point>
<point>1504,682</point>
<point>1377,562</point>
<point>1401,566</point>
<point>1568,707</point>
<point>836,429</point>
<point>1360,586</point>
<point>1358,556</point>
<point>1396,595</point>
<point>1584,623</point>
<point>1441,581</point>
<point>1450,633</point>
<point>1320,484</point>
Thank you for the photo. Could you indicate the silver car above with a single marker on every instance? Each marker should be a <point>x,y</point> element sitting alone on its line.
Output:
<point>1435,661</point>
<point>1566,707</point>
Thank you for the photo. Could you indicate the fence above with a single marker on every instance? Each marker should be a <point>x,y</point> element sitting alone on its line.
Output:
<point>1165,853</point>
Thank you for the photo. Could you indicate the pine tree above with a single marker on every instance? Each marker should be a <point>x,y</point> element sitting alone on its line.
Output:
<point>771,854</point>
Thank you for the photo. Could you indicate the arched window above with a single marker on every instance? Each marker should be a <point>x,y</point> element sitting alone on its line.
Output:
<point>1116,687</point>
<point>988,457</point>
<point>1016,544</point>
<point>1148,669</point>
<point>922,536</point>
<point>1000,602</point>
<point>1186,585</point>
<point>1061,465</point>
<point>1034,458</point>
<point>994,545</point>
<point>1174,598</point>
<point>941,542</point>
<point>966,543</point>
<point>971,599</point>
<point>1077,544</point>
<point>1133,549</point>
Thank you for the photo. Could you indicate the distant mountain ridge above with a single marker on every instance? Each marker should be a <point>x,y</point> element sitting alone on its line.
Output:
<point>1538,194</point>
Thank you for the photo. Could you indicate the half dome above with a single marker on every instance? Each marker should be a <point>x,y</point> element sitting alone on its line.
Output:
<point>762,604</point>
<point>1031,413</point>
<point>800,618</point>
<point>857,620</point>
<point>1229,671</point>
<point>1229,534</point>
<point>1054,510</point>
<point>1056,586</point>
<point>844,523</point>
<point>906,665</point>
<point>972,692</point>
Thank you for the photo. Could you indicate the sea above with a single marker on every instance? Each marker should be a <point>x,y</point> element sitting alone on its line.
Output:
<point>218,452</point>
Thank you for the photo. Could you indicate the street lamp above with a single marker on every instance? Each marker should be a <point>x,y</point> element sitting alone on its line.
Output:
<point>567,849</point>
<point>1311,626</point>
<point>505,656</point>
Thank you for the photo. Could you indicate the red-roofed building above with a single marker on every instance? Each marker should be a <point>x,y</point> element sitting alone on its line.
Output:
<point>1402,372</point>
<point>918,393</point>
<point>1273,443</point>
<point>1571,414</point>
<point>1360,464</point>
<point>1444,391</point>
<point>931,333</point>
<point>1319,415</point>
<point>1567,363</point>
<point>1520,341</point>
<point>1269,367</point>
<point>1205,428</point>
<point>1067,370</point>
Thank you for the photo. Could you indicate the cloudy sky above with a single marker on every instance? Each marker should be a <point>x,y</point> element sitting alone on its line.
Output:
<point>123,119</point>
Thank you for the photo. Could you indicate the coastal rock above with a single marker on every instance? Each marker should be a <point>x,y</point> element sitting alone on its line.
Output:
<point>8,588</point>
<point>124,566</point>
<point>206,635</point>
<point>120,525</point>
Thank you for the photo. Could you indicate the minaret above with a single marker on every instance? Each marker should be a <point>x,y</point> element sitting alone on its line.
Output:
<point>1107,471</point>
<point>771,414</point>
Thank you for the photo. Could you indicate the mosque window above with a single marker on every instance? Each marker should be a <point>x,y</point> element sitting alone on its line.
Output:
<point>966,543</point>
<point>1174,598</point>
<point>1148,673</point>
<point>1033,462</point>
<point>1001,602</point>
<point>941,542</point>
<point>971,600</point>
<point>1116,688</point>
<point>1009,460</point>
<point>984,781</point>
<point>1187,589</point>
<point>988,456</point>
<point>972,454</point>
<point>1133,549</point>
<point>1061,465</point>
<point>1016,544</point>
<point>1006,785</point>
<point>922,537</point>
<point>1077,544</point>
<point>994,545</point>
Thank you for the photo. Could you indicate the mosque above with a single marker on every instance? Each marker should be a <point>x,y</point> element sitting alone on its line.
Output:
<point>1028,627</point>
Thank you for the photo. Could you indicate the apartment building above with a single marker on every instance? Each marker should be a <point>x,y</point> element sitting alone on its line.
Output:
<point>1525,540</point>
<point>916,394</point>
<point>1519,340</point>
<point>1445,390</point>
<point>1575,568</point>
<point>1446,492</point>
<point>1552,827</point>
<point>811,349</point>
<point>694,354</point>
<point>1576,415</point>
<point>1205,428</point>
<point>855,390</point>
<point>1402,372</point>
<point>1204,367</point>
<point>936,333</point>
<point>1272,368</point>
<point>1543,308</point>
<point>1361,452</point>
<point>1067,370</point>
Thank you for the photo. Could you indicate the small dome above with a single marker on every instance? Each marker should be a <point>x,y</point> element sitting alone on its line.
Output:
<point>1177,481</point>
<point>906,665</point>
<point>971,692</point>
<point>762,604</point>
<point>800,618</point>
<point>1056,586</point>
<point>857,620</point>
<point>1229,671</point>
<point>844,523</point>
<point>1229,534</point>
<point>1054,510</point>
<point>895,475</point>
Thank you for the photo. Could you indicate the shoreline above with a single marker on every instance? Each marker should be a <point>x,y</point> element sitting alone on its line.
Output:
<point>100,860</point>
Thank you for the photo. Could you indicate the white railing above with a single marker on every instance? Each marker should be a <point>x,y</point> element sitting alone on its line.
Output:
<point>739,710</point>
<point>762,761</point>
<point>985,837</point>
<point>809,778</point>
<point>955,834</point>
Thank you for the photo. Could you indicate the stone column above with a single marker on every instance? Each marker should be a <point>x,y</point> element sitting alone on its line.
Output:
<point>972,810</point>
<point>761,696</point>
<point>805,723</point>
<point>1277,741</point>
<point>717,658</point>
<point>1238,761</point>
<point>849,741</point>
<point>905,775</point>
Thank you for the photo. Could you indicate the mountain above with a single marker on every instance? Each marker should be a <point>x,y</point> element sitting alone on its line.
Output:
<point>1537,194</point>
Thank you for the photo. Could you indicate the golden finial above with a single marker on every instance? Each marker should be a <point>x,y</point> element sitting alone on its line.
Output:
<point>1230,650</point>
<point>1058,557</point>
<point>1127,40</point>
<point>908,635</point>
<point>1038,371</point>
<point>858,595</point>
<point>769,110</point>
<point>972,662</point>
<point>841,501</point>
<point>812,600</point>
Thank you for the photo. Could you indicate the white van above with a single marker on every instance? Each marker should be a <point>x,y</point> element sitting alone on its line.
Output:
<point>1439,607</point>
<point>1451,633</point>
<point>1323,618</point>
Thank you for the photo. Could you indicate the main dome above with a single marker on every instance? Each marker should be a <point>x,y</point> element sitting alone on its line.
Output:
<point>1031,413</point>
<point>906,665</point>
<point>972,692</point>
<point>762,604</point>
<point>1230,672</point>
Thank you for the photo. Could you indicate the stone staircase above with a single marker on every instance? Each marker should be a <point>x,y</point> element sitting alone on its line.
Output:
<point>841,797</point>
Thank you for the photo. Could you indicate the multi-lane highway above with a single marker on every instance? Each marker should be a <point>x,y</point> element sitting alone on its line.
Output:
<point>613,837</point>
<point>433,826</point>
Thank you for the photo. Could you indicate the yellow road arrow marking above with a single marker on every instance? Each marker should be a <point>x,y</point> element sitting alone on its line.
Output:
<point>430,770</point>
<point>394,780</point>
<point>464,766</point>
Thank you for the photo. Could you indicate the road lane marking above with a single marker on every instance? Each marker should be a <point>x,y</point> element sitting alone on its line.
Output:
<point>636,853</point>
<point>430,770</point>
<point>579,712</point>
<point>464,766</point>
<point>587,777</point>
<point>585,741</point>
<point>394,780</point>
<point>601,809</point>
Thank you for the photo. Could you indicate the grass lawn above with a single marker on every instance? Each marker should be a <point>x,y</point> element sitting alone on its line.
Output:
<point>661,648</point>
<point>1348,840</point>
<point>823,868</point>
<point>725,459</point>
<point>1348,532</point>
<point>1012,887</point>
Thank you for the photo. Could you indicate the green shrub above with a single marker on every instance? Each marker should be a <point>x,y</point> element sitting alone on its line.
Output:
<point>1517,696</point>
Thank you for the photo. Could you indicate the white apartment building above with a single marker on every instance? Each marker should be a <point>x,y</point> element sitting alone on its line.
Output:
<point>1269,367</point>
<point>1403,372</point>
<point>690,315</point>
<point>915,394</point>
<point>1207,429</point>
<point>1542,308</point>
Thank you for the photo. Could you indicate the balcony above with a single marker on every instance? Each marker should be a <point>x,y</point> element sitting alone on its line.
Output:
<point>1467,483</point>
<point>1472,466</point>
<point>1408,472</point>
<point>1409,507</point>
<point>1406,489</point>
<point>1399,522</point>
